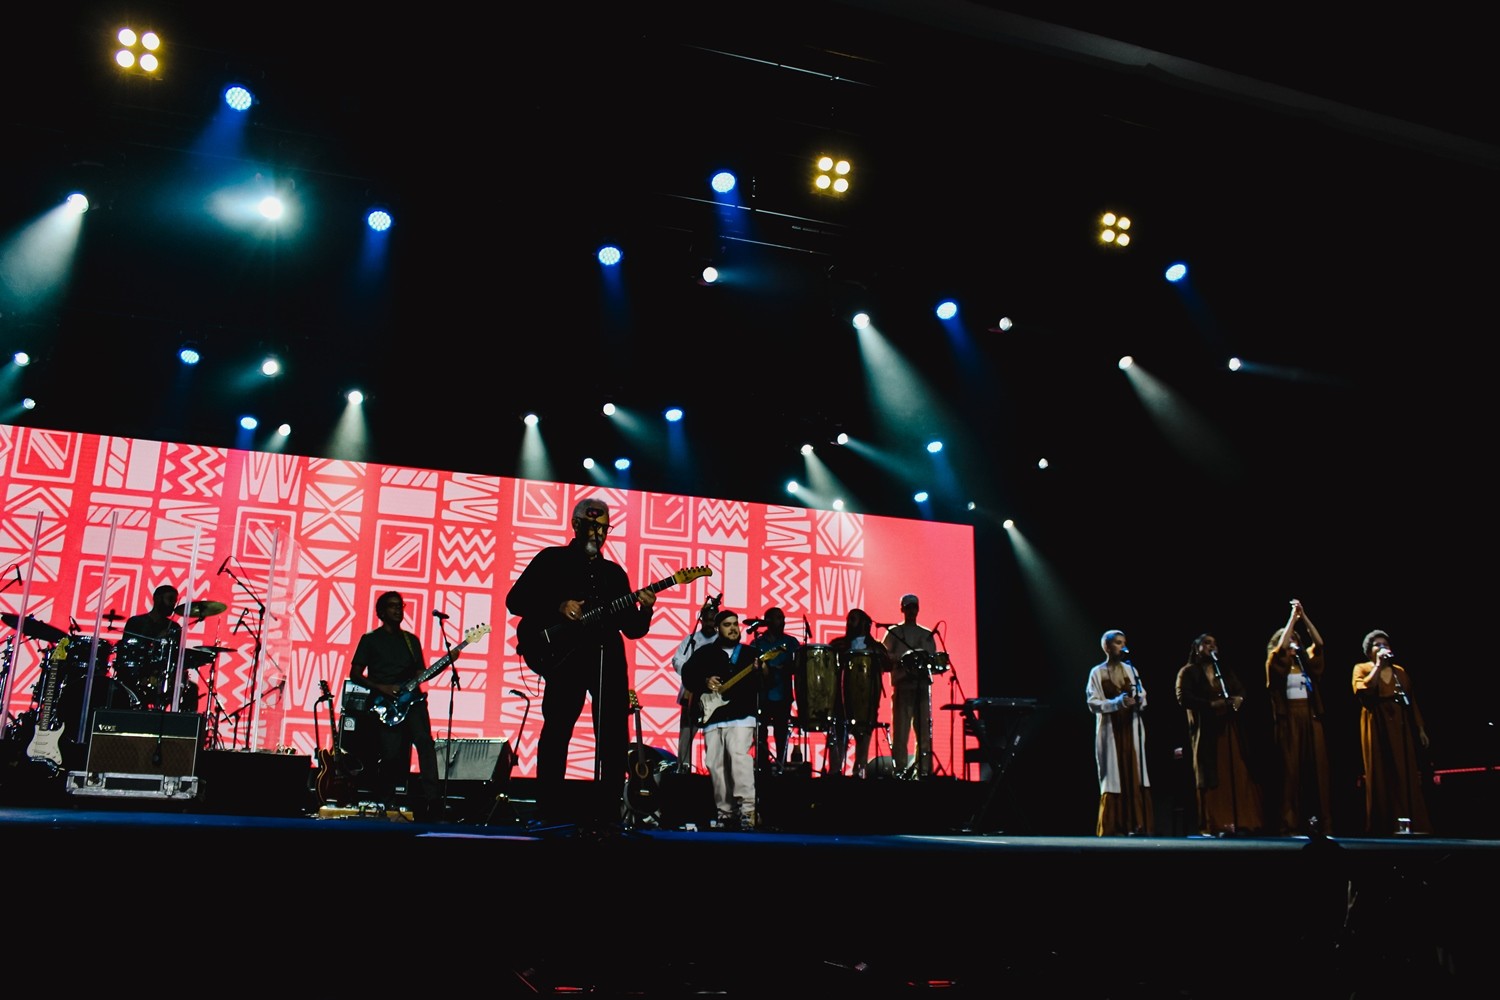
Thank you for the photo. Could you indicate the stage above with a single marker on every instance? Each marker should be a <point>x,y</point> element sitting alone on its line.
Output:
<point>864,887</point>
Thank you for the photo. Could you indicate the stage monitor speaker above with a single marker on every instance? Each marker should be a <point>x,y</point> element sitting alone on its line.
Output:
<point>475,760</point>
<point>134,742</point>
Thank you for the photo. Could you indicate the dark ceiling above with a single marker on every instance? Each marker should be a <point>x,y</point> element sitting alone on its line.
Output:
<point>1321,176</point>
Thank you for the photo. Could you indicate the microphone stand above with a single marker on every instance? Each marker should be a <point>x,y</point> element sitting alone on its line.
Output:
<point>1408,750</point>
<point>1232,723</point>
<point>453,688</point>
<point>1140,750</point>
<point>255,631</point>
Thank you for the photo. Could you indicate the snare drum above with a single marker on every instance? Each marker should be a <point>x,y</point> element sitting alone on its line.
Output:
<point>817,681</point>
<point>861,676</point>
<point>940,663</point>
<point>137,657</point>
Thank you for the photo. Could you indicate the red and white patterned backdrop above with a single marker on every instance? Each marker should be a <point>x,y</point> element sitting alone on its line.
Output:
<point>315,540</point>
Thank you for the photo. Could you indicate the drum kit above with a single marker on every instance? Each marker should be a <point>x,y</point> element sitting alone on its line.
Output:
<point>133,672</point>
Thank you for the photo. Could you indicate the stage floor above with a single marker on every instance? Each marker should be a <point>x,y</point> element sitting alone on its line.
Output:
<point>650,911</point>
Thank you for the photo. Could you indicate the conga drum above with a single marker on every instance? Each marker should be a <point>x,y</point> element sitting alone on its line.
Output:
<point>861,677</point>
<point>817,689</point>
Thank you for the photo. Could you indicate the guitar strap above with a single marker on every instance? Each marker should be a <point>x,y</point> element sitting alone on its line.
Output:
<point>411,646</point>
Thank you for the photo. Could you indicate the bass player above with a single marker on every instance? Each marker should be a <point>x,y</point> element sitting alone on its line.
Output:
<point>384,660</point>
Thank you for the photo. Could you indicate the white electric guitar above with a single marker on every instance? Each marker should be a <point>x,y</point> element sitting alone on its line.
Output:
<point>46,744</point>
<point>709,701</point>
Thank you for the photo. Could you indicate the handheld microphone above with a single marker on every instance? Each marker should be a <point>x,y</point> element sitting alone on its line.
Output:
<point>1385,653</point>
<point>1215,654</point>
<point>519,694</point>
<point>223,565</point>
<point>439,615</point>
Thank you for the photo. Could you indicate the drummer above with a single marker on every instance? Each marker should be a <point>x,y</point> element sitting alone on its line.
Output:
<point>163,633</point>
<point>913,651</point>
<point>856,719</point>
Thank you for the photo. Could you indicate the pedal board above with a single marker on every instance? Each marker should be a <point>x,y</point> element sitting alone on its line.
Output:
<point>367,810</point>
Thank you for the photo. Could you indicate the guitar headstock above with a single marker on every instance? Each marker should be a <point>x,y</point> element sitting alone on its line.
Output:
<point>323,688</point>
<point>635,703</point>
<point>60,651</point>
<point>691,573</point>
<point>476,633</point>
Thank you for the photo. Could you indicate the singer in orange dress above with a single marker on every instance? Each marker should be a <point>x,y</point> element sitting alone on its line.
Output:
<point>1294,678</point>
<point>1390,731</point>
<point>1228,797</point>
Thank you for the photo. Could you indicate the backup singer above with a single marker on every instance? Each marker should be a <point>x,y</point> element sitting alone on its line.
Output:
<point>1294,682</point>
<point>1117,698</point>
<point>1228,798</point>
<point>1390,731</point>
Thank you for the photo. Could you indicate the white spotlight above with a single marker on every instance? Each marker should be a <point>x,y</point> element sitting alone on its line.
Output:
<point>920,496</point>
<point>1126,362</point>
<point>807,449</point>
<point>21,358</point>
<point>947,309</point>
<point>609,409</point>
<point>1007,524</point>
<point>249,423</point>
<point>28,403</point>
<point>529,419</point>
<point>270,367</point>
<point>355,397</point>
<point>842,438</point>
<point>622,464</point>
<point>1234,364</point>
<point>1176,272</point>
<point>673,414</point>
<point>285,430</point>
<point>933,447</point>
<point>588,463</point>
<point>861,320</point>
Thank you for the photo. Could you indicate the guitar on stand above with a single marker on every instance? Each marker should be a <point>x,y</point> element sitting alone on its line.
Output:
<point>46,743</point>
<point>392,710</point>
<point>640,787</point>
<point>336,768</point>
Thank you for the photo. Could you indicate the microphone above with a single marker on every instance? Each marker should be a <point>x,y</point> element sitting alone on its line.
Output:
<point>754,622</point>
<point>223,565</point>
<point>1385,653</point>
<point>439,615</point>
<point>1215,654</point>
<point>886,624</point>
<point>241,621</point>
<point>519,694</point>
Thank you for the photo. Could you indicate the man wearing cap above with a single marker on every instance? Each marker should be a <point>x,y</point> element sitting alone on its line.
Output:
<point>561,584</point>
<point>729,729</point>
<point>912,650</point>
<point>687,728</point>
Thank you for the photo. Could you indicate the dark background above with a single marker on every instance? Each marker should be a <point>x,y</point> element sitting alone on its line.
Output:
<point>1329,182</point>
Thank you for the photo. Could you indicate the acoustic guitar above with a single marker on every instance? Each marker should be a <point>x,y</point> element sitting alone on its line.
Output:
<point>545,642</point>
<point>640,787</point>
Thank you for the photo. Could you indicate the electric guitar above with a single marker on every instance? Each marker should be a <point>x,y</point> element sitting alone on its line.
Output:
<point>640,788</point>
<point>546,642</point>
<point>393,709</point>
<point>336,768</point>
<point>45,747</point>
<point>709,701</point>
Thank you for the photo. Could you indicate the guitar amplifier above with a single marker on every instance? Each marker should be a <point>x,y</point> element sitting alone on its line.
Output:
<point>475,760</point>
<point>136,742</point>
<point>356,697</point>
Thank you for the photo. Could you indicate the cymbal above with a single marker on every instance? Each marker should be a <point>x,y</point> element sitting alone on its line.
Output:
<point>201,609</point>
<point>35,628</point>
<point>214,650</point>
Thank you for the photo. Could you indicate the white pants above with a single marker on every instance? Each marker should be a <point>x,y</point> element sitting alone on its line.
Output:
<point>726,751</point>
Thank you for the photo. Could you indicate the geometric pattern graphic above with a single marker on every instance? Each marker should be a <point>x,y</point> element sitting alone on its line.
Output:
<point>298,548</point>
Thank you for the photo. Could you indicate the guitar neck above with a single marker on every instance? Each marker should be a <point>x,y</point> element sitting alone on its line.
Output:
<point>765,657</point>
<point>624,601</point>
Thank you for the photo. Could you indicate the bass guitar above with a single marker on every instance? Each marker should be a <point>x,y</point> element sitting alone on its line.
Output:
<point>709,701</point>
<point>544,643</point>
<point>392,710</point>
<point>46,743</point>
<point>336,768</point>
<point>640,788</point>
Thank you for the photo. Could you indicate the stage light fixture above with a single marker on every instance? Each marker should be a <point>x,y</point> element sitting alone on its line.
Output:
<point>610,255</point>
<point>933,447</point>
<point>270,367</point>
<point>21,358</point>
<point>28,403</point>
<point>841,439</point>
<point>920,496</point>
<point>379,220</point>
<point>609,409</point>
<point>530,419</point>
<point>249,423</point>
<point>673,414</point>
<point>138,50</point>
<point>1176,272</point>
<point>285,430</point>
<point>947,309</point>
<point>1126,362</point>
<point>1234,364</point>
<point>831,175</point>
<point>861,320</point>
<point>621,464</point>
<point>710,274</point>
<point>189,355</point>
<point>1113,228</point>
<point>588,463</point>
<point>355,397</point>
<point>722,182</point>
<point>238,98</point>
<point>807,449</point>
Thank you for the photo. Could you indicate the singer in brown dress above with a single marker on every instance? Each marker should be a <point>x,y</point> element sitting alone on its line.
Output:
<point>1294,677</point>
<point>1228,797</point>
<point>1390,731</point>
<point>1117,698</point>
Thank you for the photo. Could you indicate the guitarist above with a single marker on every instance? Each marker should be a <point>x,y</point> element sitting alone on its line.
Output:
<point>384,660</point>
<point>728,733</point>
<point>561,584</point>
